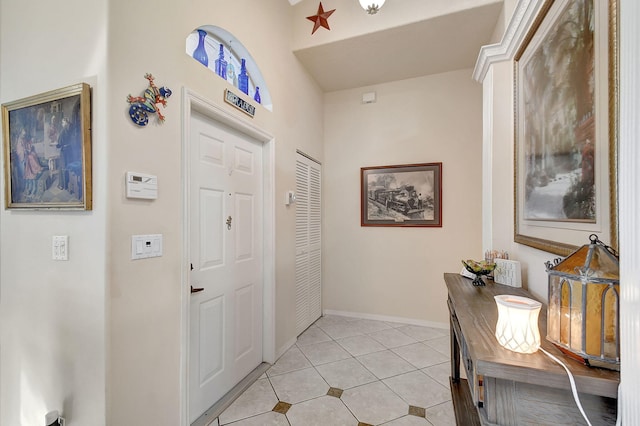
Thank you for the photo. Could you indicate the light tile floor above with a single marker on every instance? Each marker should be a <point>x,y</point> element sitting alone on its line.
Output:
<point>350,371</point>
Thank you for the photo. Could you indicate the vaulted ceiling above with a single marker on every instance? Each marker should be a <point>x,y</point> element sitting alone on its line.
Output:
<point>406,39</point>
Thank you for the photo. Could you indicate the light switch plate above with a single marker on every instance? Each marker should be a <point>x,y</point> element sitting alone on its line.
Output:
<point>60,247</point>
<point>146,246</point>
<point>507,272</point>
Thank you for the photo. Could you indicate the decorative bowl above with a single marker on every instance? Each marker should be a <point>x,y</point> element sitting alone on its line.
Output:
<point>478,269</point>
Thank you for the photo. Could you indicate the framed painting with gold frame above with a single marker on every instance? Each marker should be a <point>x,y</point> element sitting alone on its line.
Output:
<point>47,150</point>
<point>566,127</point>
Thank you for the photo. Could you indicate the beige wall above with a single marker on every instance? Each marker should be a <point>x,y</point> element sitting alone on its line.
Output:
<point>397,272</point>
<point>52,313</point>
<point>62,322</point>
<point>146,295</point>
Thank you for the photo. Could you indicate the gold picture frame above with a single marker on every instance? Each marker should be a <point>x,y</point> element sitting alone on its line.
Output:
<point>566,84</point>
<point>47,150</point>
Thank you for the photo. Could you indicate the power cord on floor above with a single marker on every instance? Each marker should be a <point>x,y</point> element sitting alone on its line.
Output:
<point>573,385</point>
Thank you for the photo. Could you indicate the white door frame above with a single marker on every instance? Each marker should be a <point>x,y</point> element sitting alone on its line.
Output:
<point>191,101</point>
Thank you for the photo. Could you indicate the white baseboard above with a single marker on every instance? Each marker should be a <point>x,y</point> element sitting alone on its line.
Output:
<point>285,347</point>
<point>411,321</point>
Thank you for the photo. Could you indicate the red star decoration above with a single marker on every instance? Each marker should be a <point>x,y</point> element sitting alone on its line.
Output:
<point>320,19</point>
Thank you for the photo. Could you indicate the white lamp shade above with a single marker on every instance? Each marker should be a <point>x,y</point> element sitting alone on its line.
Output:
<point>371,6</point>
<point>517,326</point>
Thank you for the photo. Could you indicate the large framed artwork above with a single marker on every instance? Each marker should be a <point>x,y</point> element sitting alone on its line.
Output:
<point>47,150</point>
<point>407,195</point>
<point>566,127</point>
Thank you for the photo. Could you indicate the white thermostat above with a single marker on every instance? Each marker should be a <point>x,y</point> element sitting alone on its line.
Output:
<point>507,272</point>
<point>140,185</point>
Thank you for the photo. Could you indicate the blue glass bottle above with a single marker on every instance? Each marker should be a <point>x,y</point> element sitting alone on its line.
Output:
<point>200,54</point>
<point>221,64</point>
<point>256,97</point>
<point>243,79</point>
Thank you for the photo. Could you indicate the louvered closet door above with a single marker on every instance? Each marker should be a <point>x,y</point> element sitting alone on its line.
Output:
<point>308,243</point>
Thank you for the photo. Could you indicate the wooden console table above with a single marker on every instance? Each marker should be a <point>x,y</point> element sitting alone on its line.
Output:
<point>508,388</point>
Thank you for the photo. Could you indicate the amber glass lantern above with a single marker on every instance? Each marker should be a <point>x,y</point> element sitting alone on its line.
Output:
<point>584,304</point>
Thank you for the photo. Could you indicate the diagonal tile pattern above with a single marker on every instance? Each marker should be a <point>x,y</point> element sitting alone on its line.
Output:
<point>385,364</point>
<point>392,338</point>
<point>350,371</point>
<point>311,336</point>
<point>293,360</point>
<point>321,412</point>
<point>420,355</point>
<point>258,399</point>
<point>345,374</point>
<point>375,403</point>
<point>360,345</point>
<point>418,389</point>
<point>299,385</point>
<point>325,352</point>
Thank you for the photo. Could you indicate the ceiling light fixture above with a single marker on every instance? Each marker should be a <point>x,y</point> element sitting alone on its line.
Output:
<point>371,6</point>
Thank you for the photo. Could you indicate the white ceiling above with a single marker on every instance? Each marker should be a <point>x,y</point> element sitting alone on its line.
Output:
<point>440,44</point>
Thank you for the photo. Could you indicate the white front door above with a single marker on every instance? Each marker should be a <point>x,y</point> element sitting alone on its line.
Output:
<point>226,255</point>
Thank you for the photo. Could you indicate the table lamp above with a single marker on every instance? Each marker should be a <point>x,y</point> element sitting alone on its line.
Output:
<point>517,326</point>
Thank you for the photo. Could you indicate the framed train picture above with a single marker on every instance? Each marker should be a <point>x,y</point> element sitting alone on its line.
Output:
<point>407,195</point>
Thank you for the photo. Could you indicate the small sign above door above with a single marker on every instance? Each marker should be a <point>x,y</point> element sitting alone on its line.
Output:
<point>238,102</point>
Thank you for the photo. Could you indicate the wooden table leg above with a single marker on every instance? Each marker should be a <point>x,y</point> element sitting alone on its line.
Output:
<point>455,355</point>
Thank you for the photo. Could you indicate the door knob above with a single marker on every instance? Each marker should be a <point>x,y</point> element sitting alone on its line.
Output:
<point>229,223</point>
<point>196,290</point>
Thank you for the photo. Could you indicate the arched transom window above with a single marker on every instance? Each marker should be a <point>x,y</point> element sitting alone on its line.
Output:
<point>224,55</point>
